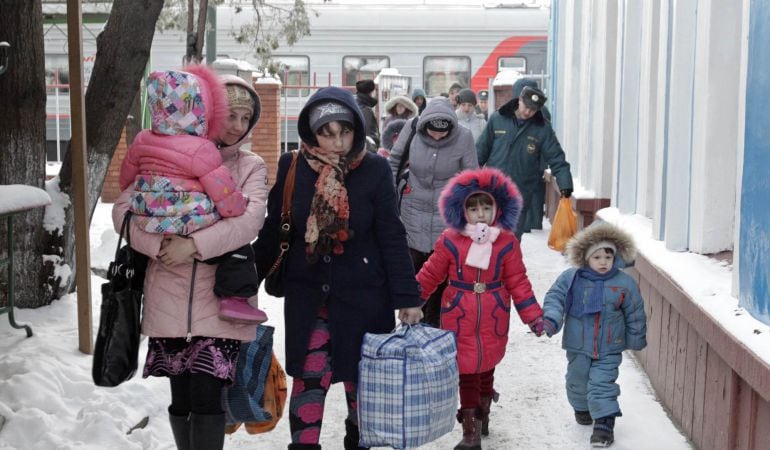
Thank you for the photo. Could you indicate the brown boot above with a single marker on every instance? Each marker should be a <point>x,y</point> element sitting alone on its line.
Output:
<point>484,406</point>
<point>471,429</point>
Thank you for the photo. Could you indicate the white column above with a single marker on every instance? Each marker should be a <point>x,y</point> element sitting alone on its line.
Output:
<point>715,125</point>
<point>571,97</point>
<point>626,152</point>
<point>679,131</point>
<point>660,109</point>
<point>600,120</point>
<point>648,90</point>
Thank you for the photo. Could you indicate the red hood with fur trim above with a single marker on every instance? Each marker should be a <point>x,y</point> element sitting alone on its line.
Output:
<point>503,190</point>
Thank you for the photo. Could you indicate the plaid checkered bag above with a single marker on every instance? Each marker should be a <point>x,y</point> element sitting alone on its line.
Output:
<point>407,387</point>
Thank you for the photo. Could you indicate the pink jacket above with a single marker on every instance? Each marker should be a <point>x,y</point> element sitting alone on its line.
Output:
<point>480,318</point>
<point>167,289</point>
<point>184,157</point>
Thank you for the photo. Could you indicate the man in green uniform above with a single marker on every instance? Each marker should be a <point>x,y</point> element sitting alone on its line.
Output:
<point>519,140</point>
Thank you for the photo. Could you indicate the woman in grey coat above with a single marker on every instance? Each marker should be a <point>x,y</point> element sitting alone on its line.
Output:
<point>439,150</point>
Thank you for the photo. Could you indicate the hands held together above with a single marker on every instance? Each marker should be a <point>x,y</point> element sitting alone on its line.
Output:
<point>540,326</point>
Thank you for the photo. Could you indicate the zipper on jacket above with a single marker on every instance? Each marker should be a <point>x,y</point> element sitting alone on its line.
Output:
<point>596,335</point>
<point>478,321</point>
<point>190,300</point>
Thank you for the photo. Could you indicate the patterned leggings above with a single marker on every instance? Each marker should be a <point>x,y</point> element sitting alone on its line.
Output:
<point>308,392</point>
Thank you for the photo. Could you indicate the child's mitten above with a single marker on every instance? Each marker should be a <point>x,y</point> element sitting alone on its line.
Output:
<point>537,326</point>
<point>549,327</point>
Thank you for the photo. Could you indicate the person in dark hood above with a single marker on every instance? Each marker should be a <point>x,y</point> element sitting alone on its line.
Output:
<point>366,100</point>
<point>419,99</point>
<point>347,267</point>
<point>454,89</point>
<point>519,140</point>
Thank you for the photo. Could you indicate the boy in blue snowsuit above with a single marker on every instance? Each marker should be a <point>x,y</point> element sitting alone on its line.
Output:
<point>603,314</point>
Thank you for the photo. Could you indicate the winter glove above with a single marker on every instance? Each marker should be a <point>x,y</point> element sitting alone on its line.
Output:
<point>537,326</point>
<point>566,193</point>
<point>549,327</point>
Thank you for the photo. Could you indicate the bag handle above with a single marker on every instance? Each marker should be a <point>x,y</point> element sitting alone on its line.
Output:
<point>285,230</point>
<point>405,153</point>
<point>125,231</point>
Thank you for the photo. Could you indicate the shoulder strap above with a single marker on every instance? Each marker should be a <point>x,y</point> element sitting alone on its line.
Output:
<point>288,185</point>
<point>405,153</point>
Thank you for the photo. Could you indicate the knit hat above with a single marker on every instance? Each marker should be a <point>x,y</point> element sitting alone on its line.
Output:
<point>239,97</point>
<point>598,246</point>
<point>439,125</point>
<point>326,112</point>
<point>365,86</point>
<point>483,95</point>
<point>466,96</point>
<point>533,97</point>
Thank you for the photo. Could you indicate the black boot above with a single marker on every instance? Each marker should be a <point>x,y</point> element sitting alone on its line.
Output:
<point>352,436</point>
<point>603,435</point>
<point>304,447</point>
<point>180,427</point>
<point>583,417</point>
<point>207,431</point>
<point>470,418</point>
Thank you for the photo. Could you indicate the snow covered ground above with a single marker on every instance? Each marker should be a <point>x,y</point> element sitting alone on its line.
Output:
<point>48,400</point>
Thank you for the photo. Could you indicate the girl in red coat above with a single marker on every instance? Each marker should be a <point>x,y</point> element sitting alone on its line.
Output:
<point>481,257</point>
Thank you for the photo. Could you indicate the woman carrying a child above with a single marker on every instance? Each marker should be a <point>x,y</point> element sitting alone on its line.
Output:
<point>190,342</point>
<point>347,267</point>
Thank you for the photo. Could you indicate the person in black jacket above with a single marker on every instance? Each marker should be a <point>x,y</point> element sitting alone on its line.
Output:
<point>366,101</point>
<point>348,265</point>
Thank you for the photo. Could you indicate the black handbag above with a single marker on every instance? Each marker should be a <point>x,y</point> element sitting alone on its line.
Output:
<point>274,280</point>
<point>117,342</point>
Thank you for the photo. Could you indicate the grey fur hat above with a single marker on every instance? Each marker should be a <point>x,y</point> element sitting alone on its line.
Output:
<point>592,238</point>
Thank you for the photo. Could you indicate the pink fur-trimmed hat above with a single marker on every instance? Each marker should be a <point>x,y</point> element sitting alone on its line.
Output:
<point>189,102</point>
<point>488,180</point>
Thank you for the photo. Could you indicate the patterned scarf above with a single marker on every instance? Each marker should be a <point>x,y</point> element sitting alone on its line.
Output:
<point>584,279</point>
<point>327,223</point>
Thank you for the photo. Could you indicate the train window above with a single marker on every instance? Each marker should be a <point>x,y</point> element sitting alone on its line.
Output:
<point>518,63</point>
<point>57,73</point>
<point>440,72</point>
<point>358,67</point>
<point>294,71</point>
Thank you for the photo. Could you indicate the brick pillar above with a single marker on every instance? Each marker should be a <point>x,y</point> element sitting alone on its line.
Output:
<point>266,137</point>
<point>111,186</point>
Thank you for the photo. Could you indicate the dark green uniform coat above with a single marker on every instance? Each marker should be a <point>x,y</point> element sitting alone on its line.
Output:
<point>523,153</point>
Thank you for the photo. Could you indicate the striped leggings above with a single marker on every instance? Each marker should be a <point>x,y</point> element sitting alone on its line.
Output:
<point>308,392</point>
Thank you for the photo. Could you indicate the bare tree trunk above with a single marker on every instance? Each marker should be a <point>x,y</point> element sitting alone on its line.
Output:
<point>122,51</point>
<point>203,9</point>
<point>22,141</point>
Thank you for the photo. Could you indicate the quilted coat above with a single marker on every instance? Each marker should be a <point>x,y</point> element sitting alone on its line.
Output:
<point>476,303</point>
<point>176,302</point>
<point>431,164</point>
<point>621,324</point>
<point>176,170</point>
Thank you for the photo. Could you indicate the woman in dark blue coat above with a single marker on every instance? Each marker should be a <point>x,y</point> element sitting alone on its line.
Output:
<point>348,265</point>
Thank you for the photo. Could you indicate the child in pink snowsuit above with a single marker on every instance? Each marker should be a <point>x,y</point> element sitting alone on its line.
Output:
<point>481,257</point>
<point>180,184</point>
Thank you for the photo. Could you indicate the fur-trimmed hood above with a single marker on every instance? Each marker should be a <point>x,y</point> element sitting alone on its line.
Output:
<point>492,181</point>
<point>578,246</point>
<point>401,100</point>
